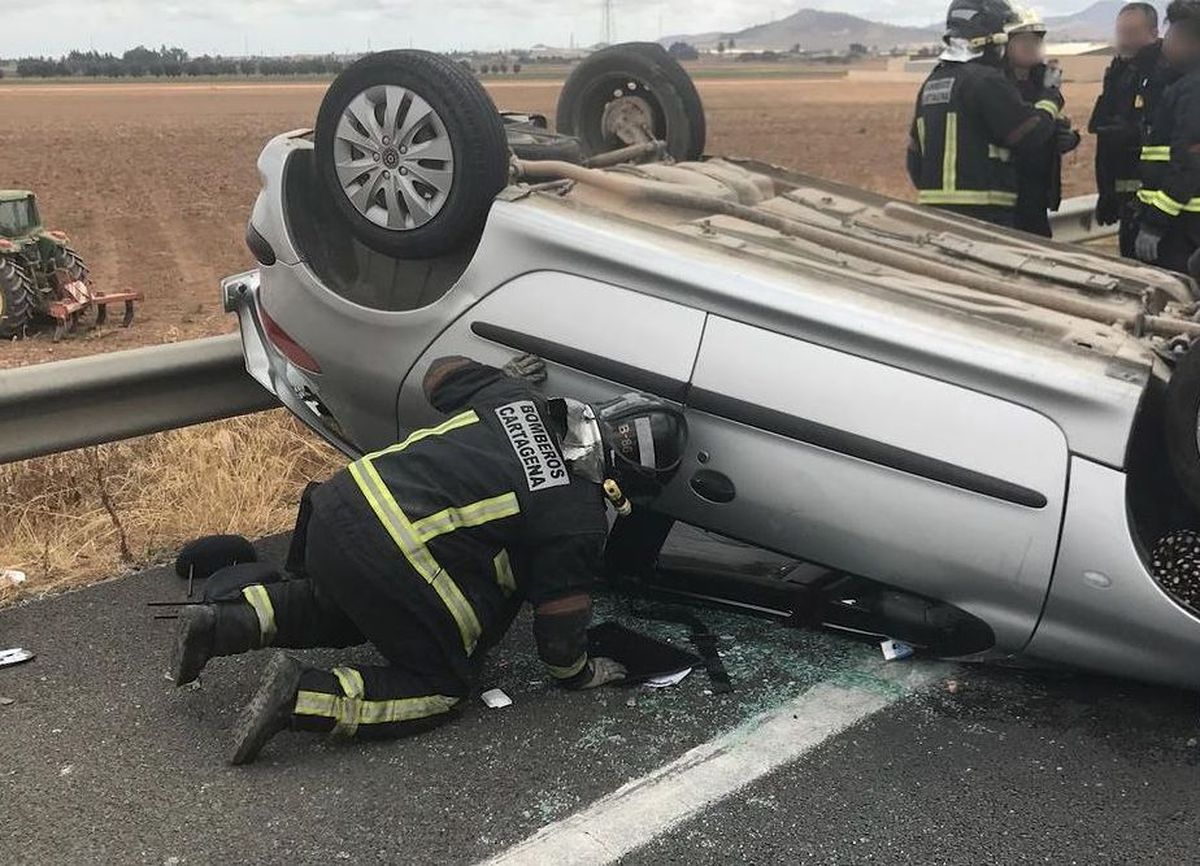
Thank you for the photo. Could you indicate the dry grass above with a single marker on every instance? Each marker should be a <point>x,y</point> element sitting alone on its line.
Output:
<point>76,518</point>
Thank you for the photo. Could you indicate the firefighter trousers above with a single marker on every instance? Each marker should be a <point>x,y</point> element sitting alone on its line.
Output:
<point>334,605</point>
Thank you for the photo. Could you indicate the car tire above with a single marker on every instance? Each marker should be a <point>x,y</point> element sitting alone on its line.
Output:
<point>1181,423</point>
<point>403,204</point>
<point>657,77</point>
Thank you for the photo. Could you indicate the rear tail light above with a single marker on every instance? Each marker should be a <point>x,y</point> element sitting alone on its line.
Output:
<point>291,350</point>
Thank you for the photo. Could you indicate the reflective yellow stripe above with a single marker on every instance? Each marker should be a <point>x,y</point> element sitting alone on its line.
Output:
<point>371,712</point>
<point>921,134</point>
<point>466,419</point>
<point>967,197</point>
<point>1159,199</point>
<point>566,673</point>
<point>1131,185</point>
<point>476,514</point>
<point>504,573</point>
<point>261,602</point>
<point>1047,105</point>
<point>1156,153</point>
<point>950,153</point>
<point>349,708</point>
<point>1001,153</point>
<point>417,554</point>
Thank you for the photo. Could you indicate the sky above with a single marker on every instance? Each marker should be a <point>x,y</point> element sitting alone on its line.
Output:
<point>235,27</point>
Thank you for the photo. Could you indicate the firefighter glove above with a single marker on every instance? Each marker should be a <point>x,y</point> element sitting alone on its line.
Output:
<point>1108,209</point>
<point>1066,139</point>
<point>1146,246</point>
<point>531,368</point>
<point>603,671</point>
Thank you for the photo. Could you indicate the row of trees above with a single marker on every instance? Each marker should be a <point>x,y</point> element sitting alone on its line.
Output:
<point>167,62</point>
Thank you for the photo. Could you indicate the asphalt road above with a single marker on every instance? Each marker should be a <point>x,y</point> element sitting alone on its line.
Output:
<point>103,761</point>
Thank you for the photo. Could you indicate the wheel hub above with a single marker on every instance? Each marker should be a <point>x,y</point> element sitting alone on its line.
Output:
<point>629,119</point>
<point>393,157</point>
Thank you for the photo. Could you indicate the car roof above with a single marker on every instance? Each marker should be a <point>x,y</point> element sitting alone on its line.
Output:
<point>14,194</point>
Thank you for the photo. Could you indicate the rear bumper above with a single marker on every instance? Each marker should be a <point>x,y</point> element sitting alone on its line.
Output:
<point>1105,613</point>
<point>298,390</point>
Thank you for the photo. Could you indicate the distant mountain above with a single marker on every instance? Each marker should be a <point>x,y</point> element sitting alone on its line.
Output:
<point>1093,24</point>
<point>814,30</point>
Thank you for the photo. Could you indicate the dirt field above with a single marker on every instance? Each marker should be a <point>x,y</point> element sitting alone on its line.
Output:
<point>154,181</point>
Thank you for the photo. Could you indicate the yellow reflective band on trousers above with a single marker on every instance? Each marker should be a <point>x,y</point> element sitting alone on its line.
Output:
<point>418,555</point>
<point>921,134</point>
<point>504,573</point>
<point>1159,199</point>
<point>967,197</point>
<point>466,419</point>
<point>257,596</point>
<point>950,153</point>
<point>353,710</point>
<point>475,514</point>
<point>1156,153</point>
<point>1049,106</point>
<point>560,673</point>
<point>1129,185</point>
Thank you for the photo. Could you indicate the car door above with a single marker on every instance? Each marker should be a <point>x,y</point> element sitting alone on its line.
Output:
<point>598,340</point>
<point>876,471</point>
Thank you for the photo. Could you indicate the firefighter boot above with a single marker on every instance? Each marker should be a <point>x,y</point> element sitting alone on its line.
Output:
<point>269,711</point>
<point>210,630</point>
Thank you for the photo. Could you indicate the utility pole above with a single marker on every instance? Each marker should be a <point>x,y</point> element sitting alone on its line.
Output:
<point>608,22</point>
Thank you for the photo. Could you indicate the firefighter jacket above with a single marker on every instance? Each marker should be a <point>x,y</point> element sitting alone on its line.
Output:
<point>1132,87</point>
<point>970,123</point>
<point>485,514</point>
<point>1170,164</point>
<point>1039,174</point>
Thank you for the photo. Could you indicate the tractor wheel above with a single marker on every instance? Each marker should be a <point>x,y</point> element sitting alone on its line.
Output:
<point>18,299</point>
<point>71,262</point>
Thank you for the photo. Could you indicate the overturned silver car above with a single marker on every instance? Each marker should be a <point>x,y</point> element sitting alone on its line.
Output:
<point>956,435</point>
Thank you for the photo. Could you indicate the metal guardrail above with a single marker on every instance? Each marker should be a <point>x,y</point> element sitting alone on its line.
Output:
<point>1075,221</point>
<point>47,408</point>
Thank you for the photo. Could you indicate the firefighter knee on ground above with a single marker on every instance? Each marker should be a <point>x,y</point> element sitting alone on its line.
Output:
<point>428,549</point>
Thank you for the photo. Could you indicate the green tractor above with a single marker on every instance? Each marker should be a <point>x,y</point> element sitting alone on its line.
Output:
<point>41,276</point>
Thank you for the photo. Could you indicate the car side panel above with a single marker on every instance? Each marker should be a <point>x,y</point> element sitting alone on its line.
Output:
<point>1105,612</point>
<point>878,471</point>
<point>598,339</point>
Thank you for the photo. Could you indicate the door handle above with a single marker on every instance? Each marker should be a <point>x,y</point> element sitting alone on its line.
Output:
<point>713,486</point>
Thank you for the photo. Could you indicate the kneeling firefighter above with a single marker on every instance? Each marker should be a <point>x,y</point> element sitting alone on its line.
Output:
<point>428,549</point>
<point>971,122</point>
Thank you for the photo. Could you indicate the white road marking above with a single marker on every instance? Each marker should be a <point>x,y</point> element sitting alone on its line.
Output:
<point>646,808</point>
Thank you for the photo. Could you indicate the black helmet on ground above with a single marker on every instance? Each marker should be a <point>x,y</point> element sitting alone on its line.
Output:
<point>980,22</point>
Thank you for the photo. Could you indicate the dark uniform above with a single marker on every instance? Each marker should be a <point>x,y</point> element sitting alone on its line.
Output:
<point>1039,174</point>
<point>427,550</point>
<point>1170,173</point>
<point>1132,87</point>
<point>970,125</point>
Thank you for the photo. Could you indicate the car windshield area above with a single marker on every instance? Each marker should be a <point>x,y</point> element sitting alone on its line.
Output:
<point>17,217</point>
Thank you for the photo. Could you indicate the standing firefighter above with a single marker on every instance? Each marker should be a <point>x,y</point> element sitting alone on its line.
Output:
<point>1039,175</point>
<point>1169,216</point>
<point>427,550</point>
<point>971,122</point>
<point>1133,84</point>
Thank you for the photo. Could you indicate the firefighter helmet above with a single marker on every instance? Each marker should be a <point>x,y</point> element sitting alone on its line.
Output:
<point>644,440</point>
<point>980,22</point>
<point>1028,21</point>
